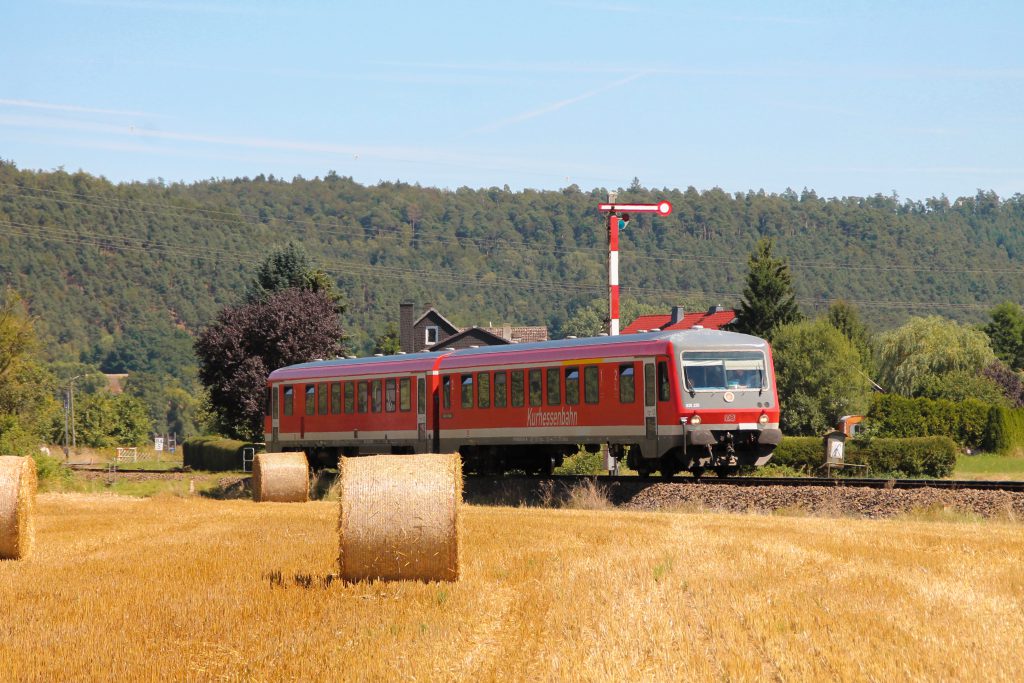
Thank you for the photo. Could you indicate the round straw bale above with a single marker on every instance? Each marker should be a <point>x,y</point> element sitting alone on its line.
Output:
<point>17,506</point>
<point>280,478</point>
<point>399,517</point>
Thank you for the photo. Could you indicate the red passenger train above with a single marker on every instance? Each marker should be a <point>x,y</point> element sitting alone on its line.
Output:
<point>664,401</point>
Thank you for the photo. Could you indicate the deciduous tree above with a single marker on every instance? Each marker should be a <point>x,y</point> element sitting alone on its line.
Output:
<point>914,355</point>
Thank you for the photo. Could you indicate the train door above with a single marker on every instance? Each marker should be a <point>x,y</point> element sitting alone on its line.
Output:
<point>421,411</point>
<point>275,416</point>
<point>650,401</point>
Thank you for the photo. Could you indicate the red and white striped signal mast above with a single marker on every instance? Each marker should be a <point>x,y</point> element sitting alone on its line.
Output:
<point>616,223</point>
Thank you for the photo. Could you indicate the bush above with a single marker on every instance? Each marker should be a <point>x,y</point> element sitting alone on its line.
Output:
<point>213,453</point>
<point>582,462</point>
<point>800,453</point>
<point>965,422</point>
<point>933,456</point>
<point>1004,431</point>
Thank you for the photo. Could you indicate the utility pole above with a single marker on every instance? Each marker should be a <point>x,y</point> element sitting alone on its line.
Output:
<point>71,403</point>
<point>616,223</point>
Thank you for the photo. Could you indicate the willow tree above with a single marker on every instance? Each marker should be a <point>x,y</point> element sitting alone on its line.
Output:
<point>923,350</point>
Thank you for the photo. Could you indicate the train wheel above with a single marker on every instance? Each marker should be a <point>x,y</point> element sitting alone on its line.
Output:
<point>724,472</point>
<point>697,472</point>
<point>668,467</point>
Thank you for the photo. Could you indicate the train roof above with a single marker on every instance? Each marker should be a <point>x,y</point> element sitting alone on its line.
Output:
<point>649,343</point>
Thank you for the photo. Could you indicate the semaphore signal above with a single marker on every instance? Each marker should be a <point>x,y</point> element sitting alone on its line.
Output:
<point>616,223</point>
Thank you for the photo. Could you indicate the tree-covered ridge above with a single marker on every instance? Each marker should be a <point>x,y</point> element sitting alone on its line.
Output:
<point>101,264</point>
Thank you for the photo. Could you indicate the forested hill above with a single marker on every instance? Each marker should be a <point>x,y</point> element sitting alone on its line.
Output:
<point>108,267</point>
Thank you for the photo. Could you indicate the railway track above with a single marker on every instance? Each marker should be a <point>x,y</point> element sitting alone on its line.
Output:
<point>637,482</point>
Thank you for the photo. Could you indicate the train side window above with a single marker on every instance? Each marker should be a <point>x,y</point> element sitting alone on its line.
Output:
<point>518,388</point>
<point>322,398</point>
<point>591,384</point>
<point>483,390</point>
<point>277,394</point>
<point>335,398</point>
<point>446,391</point>
<point>627,387</point>
<point>350,397</point>
<point>310,399</point>
<point>500,389</point>
<point>572,386</point>
<point>467,391</point>
<point>404,394</point>
<point>389,394</point>
<point>554,386</point>
<point>363,396</point>
<point>289,400</point>
<point>268,400</point>
<point>664,392</point>
<point>536,387</point>
<point>375,396</point>
<point>421,396</point>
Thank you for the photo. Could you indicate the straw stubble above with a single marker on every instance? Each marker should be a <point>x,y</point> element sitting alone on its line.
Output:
<point>399,517</point>
<point>17,506</point>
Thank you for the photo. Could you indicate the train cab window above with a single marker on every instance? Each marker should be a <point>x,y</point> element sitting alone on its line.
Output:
<point>404,394</point>
<point>572,386</point>
<point>536,387</point>
<point>390,390</point>
<point>467,391</point>
<point>483,390</point>
<point>446,391</point>
<point>350,397</point>
<point>335,398</point>
<point>268,400</point>
<point>500,389</point>
<point>310,399</point>
<point>421,396</point>
<point>364,395</point>
<point>518,388</point>
<point>322,399</point>
<point>591,384</point>
<point>554,386</point>
<point>375,396</point>
<point>289,400</point>
<point>627,386</point>
<point>664,392</point>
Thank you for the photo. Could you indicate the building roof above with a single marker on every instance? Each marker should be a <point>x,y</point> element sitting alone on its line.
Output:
<point>452,329</point>
<point>715,318</point>
<point>486,334</point>
<point>521,334</point>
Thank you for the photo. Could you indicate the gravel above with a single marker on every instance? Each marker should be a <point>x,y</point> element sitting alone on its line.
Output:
<point>828,501</point>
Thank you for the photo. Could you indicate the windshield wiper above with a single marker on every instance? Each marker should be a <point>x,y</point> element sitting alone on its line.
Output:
<point>689,385</point>
<point>760,376</point>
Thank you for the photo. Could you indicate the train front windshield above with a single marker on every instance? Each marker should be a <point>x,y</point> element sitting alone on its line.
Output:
<point>724,370</point>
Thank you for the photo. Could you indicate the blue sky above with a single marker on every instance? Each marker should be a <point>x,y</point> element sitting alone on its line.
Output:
<point>851,98</point>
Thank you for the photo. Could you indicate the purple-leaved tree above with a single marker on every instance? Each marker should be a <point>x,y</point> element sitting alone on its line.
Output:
<point>249,341</point>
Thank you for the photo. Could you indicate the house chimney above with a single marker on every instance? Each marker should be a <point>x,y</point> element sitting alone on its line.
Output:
<point>506,332</point>
<point>717,308</point>
<point>677,314</point>
<point>405,337</point>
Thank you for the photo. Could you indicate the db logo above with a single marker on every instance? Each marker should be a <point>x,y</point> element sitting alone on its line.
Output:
<point>730,418</point>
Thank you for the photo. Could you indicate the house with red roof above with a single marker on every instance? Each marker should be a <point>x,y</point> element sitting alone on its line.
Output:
<point>715,318</point>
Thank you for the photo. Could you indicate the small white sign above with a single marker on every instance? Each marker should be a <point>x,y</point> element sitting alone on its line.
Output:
<point>158,443</point>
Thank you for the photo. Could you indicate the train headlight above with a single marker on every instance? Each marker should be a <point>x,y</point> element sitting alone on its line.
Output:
<point>695,420</point>
<point>763,420</point>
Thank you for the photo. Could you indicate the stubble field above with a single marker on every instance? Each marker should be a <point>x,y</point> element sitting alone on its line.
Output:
<point>174,588</point>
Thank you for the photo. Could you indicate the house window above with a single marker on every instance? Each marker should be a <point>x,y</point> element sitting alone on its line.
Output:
<point>432,335</point>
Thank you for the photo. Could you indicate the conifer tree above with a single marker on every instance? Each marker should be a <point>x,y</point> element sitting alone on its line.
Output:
<point>768,297</point>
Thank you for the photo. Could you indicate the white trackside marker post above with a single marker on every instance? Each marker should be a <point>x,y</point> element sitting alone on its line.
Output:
<point>616,223</point>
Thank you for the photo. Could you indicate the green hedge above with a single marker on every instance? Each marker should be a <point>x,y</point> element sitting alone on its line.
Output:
<point>1005,430</point>
<point>965,422</point>
<point>931,456</point>
<point>213,453</point>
